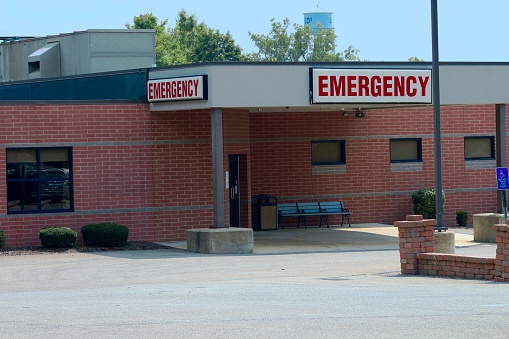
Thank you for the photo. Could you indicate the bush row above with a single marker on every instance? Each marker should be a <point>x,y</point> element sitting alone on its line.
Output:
<point>101,234</point>
<point>424,201</point>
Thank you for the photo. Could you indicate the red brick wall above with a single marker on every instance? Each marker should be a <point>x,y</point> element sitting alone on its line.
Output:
<point>182,172</point>
<point>152,171</point>
<point>149,171</point>
<point>281,160</point>
<point>111,165</point>
<point>456,266</point>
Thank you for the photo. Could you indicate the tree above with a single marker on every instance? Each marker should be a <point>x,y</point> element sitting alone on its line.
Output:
<point>188,41</point>
<point>199,43</point>
<point>146,21</point>
<point>300,45</point>
<point>415,59</point>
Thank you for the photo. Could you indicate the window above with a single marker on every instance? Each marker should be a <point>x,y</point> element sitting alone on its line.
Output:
<point>406,150</point>
<point>39,180</point>
<point>328,152</point>
<point>479,148</point>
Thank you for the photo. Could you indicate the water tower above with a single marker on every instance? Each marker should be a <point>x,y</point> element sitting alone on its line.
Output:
<point>318,20</point>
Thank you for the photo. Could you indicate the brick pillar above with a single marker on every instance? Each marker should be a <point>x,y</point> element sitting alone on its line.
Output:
<point>416,235</point>
<point>502,258</point>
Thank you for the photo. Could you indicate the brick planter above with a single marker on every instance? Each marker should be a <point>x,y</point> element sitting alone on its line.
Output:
<point>416,235</point>
<point>417,253</point>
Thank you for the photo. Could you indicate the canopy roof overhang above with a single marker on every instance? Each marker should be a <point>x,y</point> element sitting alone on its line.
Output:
<point>285,87</point>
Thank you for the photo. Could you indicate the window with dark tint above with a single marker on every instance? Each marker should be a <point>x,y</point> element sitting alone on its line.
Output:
<point>406,150</point>
<point>479,148</point>
<point>328,152</point>
<point>39,180</point>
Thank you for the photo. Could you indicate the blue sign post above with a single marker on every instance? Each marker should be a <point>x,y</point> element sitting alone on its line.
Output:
<point>503,185</point>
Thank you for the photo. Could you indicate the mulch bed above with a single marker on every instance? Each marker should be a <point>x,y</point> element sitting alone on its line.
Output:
<point>131,246</point>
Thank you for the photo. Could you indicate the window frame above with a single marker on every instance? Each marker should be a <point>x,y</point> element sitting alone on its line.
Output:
<point>40,179</point>
<point>492,148</point>
<point>419,151</point>
<point>342,156</point>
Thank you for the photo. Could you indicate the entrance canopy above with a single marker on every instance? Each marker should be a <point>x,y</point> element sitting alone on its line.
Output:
<point>273,87</point>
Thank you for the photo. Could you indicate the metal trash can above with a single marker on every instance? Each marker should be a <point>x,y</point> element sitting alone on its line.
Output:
<point>264,212</point>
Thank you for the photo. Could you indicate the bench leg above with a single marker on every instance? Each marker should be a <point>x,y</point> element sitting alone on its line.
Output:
<point>345,216</point>
<point>322,218</point>
<point>299,218</point>
<point>303,218</point>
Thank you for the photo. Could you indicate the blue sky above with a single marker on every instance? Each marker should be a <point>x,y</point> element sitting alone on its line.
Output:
<point>388,30</point>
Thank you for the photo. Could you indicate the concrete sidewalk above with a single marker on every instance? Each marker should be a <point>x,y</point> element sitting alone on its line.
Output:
<point>359,237</point>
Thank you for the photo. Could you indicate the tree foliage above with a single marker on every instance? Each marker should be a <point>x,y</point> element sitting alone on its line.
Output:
<point>189,41</point>
<point>193,42</point>
<point>300,45</point>
<point>415,59</point>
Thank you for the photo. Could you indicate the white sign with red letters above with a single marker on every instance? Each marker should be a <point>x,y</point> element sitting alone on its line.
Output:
<point>370,86</point>
<point>177,89</point>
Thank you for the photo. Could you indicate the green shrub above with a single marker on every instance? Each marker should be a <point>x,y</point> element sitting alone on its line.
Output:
<point>2,238</point>
<point>57,237</point>
<point>425,202</point>
<point>105,234</point>
<point>461,218</point>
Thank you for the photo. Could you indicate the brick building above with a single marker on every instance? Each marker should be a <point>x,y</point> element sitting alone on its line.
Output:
<point>107,147</point>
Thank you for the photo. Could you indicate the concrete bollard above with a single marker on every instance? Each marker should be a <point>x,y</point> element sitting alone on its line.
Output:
<point>220,240</point>
<point>483,226</point>
<point>445,242</point>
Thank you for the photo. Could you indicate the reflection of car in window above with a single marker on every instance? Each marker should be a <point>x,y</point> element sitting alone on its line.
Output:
<point>55,190</point>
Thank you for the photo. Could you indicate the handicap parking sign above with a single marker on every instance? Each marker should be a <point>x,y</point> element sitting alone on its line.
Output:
<point>502,178</point>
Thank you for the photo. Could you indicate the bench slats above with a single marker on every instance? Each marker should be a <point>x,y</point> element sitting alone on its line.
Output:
<point>321,209</point>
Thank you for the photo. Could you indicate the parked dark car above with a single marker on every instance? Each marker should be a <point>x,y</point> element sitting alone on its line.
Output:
<point>55,190</point>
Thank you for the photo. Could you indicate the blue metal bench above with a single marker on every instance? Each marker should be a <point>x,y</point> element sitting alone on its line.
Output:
<point>289,210</point>
<point>335,207</point>
<point>301,210</point>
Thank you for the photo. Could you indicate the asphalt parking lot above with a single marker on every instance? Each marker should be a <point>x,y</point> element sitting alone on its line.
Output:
<point>355,291</point>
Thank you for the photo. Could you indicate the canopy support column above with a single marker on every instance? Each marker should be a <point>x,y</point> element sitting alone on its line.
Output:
<point>217,167</point>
